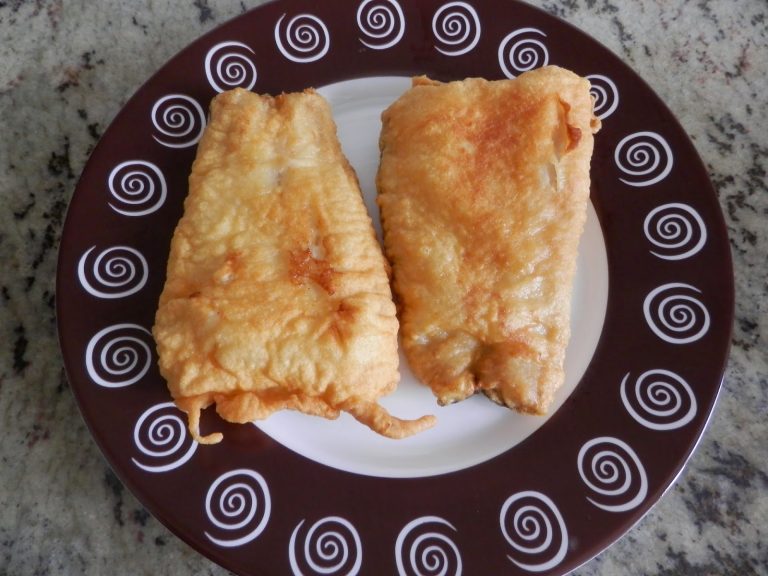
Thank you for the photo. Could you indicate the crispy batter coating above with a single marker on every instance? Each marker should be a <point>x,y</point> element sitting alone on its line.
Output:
<point>483,189</point>
<point>277,293</point>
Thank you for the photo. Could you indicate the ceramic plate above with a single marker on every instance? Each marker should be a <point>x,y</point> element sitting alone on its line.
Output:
<point>487,491</point>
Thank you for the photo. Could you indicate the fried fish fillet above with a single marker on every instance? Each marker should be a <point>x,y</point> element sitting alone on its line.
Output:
<point>277,293</point>
<point>483,190</point>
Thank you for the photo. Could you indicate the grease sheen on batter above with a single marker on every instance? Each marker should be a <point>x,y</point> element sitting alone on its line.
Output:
<point>277,293</point>
<point>483,190</point>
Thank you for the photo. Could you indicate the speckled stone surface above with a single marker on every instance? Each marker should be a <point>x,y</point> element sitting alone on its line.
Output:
<point>66,68</point>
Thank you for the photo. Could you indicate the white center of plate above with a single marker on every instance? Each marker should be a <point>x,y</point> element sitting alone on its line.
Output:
<point>469,432</point>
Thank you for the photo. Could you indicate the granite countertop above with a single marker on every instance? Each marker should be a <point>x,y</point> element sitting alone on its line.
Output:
<point>66,68</point>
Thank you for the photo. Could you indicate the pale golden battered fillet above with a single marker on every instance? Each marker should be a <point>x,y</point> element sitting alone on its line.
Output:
<point>277,294</point>
<point>483,191</point>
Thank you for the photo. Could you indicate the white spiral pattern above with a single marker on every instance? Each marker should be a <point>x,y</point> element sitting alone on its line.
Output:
<point>304,39</point>
<point>645,157</point>
<point>116,272</point>
<point>138,188</point>
<point>119,355</point>
<point>381,22</point>
<point>534,527</point>
<point>613,472</point>
<point>677,229</point>
<point>229,65</point>
<point>605,93</point>
<point>456,28</point>
<point>331,546</point>
<point>161,436</point>
<point>179,120</point>
<point>423,548</point>
<point>675,314</point>
<point>238,505</point>
<point>521,51</point>
<point>659,400</point>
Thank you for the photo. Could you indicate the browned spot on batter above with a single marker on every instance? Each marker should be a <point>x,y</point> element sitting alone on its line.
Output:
<point>345,315</point>
<point>574,136</point>
<point>572,133</point>
<point>345,310</point>
<point>304,266</point>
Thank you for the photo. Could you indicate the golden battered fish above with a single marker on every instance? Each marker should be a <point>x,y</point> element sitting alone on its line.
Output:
<point>483,190</point>
<point>277,293</point>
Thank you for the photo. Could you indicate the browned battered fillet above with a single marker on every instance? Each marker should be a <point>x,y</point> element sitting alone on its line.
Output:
<point>483,190</point>
<point>277,295</point>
